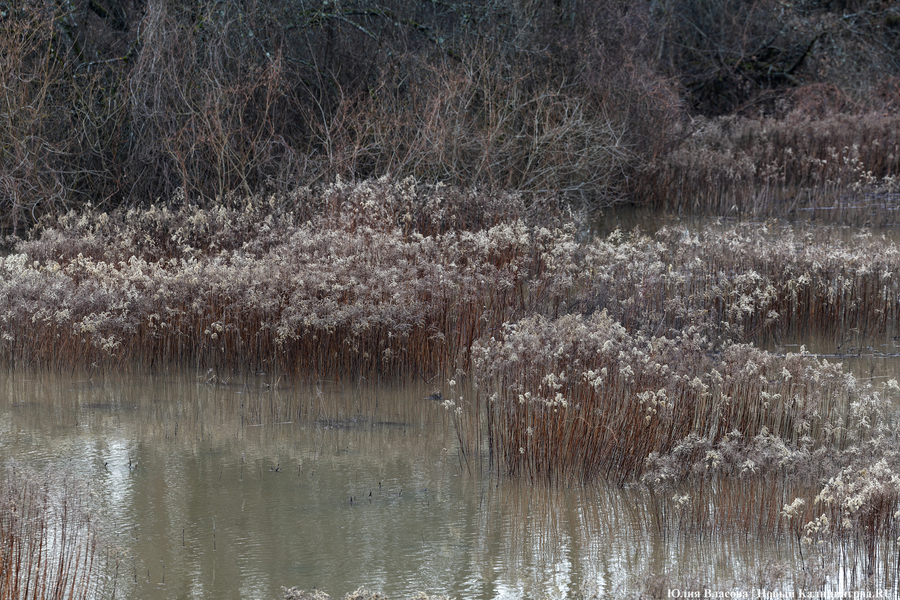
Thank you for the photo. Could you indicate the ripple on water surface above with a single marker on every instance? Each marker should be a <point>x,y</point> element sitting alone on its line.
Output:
<point>211,490</point>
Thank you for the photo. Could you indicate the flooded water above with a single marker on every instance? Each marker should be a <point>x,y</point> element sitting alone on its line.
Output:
<point>232,489</point>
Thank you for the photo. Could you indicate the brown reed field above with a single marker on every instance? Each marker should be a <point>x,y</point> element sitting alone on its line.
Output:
<point>49,545</point>
<point>633,358</point>
<point>838,167</point>
<point>360,288</point>
<point>393,278</point>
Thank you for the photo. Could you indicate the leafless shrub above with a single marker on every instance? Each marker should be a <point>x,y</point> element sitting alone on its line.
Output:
<point>482,123</point>
<point>122,106</point>
<point>34,148</point>
<point>737,57</point>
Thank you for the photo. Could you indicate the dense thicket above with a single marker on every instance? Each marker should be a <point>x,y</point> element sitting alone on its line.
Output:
<point>118,103</point>
<point>735,55</point>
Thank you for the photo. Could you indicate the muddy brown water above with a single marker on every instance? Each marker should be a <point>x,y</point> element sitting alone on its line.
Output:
<point>233,489</point>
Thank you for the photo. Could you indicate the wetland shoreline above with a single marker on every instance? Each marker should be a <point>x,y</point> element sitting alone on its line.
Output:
<point>633,359</point>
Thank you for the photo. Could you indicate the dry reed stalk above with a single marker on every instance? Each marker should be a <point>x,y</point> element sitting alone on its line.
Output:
<point>49,542</point>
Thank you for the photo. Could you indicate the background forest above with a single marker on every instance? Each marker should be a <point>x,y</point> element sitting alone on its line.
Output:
<point>729,107</point>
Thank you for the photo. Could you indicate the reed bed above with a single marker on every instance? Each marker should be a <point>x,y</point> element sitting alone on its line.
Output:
<point>625,358</point>
<point>357,289</point>
<point>394,278</point>
<point>749,283</point>
<point>837,168</point>
<point>733,440</point>
<point>583,397</point>
<point>49,546</point>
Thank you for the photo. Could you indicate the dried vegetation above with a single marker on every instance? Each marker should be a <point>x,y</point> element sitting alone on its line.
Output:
<point>837,168</point>
<point>49,547</point>
<point>632,358</point>
<point>387,278</point>
<point>393,277</point>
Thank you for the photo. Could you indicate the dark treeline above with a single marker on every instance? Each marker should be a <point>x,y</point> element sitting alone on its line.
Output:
<point>121,103</point>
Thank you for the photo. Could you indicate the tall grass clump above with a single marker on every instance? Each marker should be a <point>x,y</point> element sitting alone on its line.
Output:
<point>584,398</point>
<point>741,283</point>
<point>356,289</point>
<point>834,501</point>
<point>396,277</point>
<point>49,547</point>
<point>732,440</point>
<point>838,168</point>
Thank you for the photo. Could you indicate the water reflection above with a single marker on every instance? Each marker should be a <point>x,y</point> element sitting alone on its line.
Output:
<point>236,488</point>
